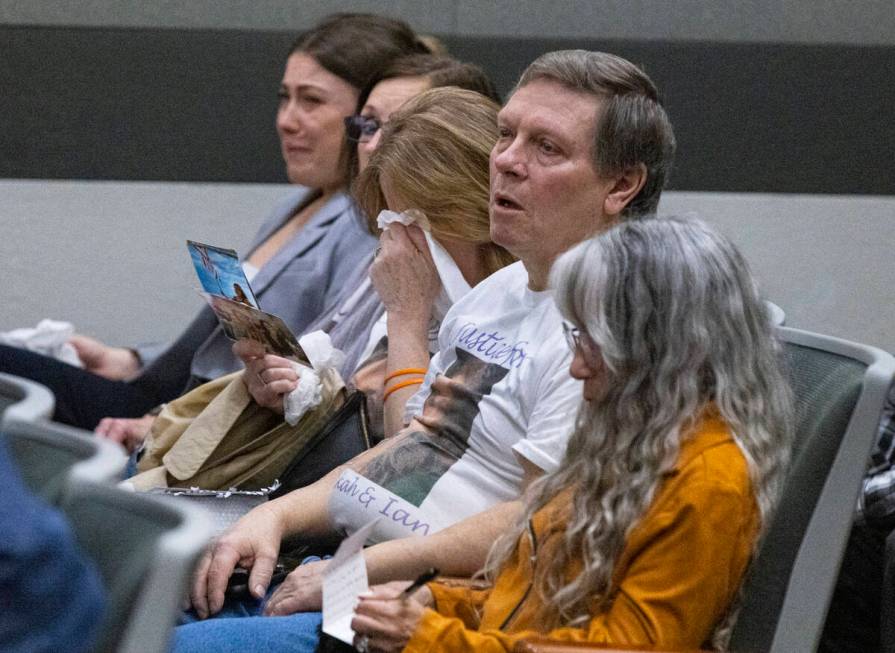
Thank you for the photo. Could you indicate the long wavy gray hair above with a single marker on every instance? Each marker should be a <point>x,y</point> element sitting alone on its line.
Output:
<point>679,323</point>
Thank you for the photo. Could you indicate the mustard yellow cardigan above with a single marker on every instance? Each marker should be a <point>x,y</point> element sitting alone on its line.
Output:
<point>673,582</point>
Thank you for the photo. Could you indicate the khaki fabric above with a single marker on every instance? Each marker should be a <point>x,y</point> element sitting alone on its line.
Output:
<point>215,437</point>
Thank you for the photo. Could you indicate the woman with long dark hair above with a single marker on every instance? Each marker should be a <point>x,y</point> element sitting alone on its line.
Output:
<point>299,259</point>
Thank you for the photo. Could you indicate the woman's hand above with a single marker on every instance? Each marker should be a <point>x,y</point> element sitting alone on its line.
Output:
<point>302,591</point>
<point>116,363</point>
<point>404,274</point>
<point>129,432</point>
<point>267,377</point>
<point>385,619</point>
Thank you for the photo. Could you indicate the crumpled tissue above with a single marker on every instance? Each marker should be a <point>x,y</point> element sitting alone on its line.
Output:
<point>49,337</point>
<point>453,285</point>
<point>325,362</point>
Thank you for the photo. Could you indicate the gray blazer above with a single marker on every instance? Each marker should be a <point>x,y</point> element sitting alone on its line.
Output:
<point>302,279</point>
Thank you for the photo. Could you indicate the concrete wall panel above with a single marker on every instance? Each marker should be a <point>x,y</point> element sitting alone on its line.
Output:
<point>110,256</point>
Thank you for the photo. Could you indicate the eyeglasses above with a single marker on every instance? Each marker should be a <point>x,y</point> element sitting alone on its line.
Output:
<point>361,129</point>
<point>573,336</point>
<point>579,342</point>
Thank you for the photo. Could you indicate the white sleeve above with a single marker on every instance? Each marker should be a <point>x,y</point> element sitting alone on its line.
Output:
<point>556,402</point>
<point>377,332</point>
<point>414,405</point>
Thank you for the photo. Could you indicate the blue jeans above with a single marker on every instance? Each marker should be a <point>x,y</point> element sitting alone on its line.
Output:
<point>240,628</point>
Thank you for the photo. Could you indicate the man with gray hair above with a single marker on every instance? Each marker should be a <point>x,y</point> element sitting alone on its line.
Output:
<point>583,143</point>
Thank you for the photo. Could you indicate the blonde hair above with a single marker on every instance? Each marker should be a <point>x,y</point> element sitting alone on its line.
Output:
<point>434,155</point>
<point>679,324</point>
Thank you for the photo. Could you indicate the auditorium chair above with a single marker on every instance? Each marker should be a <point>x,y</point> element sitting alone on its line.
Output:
<point>145,549</point>
<point>46,452</point>
<point>840,388</point>
<point>24,400</point>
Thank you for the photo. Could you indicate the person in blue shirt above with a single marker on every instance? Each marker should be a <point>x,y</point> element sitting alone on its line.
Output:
<point>51,596</point>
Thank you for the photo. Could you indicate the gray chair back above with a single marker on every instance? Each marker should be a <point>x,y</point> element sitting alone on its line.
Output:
<point>145,549</point>
<point>839,388</point>
<point>23,400</point>
<point>778,317</point>
<point>48,454</point>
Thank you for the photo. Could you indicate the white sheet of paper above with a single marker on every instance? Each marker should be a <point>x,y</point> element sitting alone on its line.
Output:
<point>344,580</point>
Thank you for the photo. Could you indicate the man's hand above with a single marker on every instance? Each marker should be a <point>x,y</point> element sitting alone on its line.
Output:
<point>129,432</point>
<point>267,377</point>
<point>385,619</point>
<point>251,543</point>
<point>302,591</point>
<point>115,363</point>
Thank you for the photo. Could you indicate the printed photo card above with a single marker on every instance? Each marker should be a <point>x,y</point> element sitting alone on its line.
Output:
<point>227,291</point>
<point>221,273</point>
<point>241,321</point>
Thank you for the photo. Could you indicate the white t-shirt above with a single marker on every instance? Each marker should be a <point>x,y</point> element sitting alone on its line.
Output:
<point>498,387</point>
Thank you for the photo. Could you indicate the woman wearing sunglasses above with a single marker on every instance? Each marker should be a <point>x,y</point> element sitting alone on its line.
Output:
<point>433,160</point>
<point>269,377</point>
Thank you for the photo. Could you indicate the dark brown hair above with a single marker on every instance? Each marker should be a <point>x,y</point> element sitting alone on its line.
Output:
<point>358,47</point>
<point>440,71</point>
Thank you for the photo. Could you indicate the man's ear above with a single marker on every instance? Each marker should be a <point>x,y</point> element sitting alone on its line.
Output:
<point>625,189</point>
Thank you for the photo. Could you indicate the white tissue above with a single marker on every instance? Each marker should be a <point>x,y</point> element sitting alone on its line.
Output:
<point>453,285</point>
<point>407,218</point>
<point>49,337</point>
<point>320,351</point>
<point>325,360</point>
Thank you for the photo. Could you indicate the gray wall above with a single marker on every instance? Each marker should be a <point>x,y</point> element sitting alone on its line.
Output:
<point>110,256</point>
<point>825,260</point>
<point>862,22</point>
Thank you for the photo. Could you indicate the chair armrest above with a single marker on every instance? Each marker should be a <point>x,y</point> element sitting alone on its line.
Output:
<point>543,645</point>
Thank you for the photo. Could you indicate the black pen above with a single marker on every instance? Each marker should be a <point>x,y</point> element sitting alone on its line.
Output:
<point>421,580</point>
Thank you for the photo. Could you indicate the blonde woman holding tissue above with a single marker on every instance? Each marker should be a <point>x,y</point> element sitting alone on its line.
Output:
<point>431,174</point>
<point>431,164</point>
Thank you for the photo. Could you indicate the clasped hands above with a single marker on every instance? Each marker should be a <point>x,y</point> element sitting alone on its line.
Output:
<point>116,364</point>
<point>384,619</point>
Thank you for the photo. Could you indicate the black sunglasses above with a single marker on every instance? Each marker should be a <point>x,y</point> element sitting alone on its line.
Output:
<point>361,129</point>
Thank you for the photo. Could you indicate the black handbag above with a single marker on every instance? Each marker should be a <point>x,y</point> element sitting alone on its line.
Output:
<point>345,435</point>
<point>329,644</point>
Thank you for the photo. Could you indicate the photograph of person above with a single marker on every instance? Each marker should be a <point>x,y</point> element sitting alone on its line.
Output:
<point>240,321</point>
<point>221,273</point>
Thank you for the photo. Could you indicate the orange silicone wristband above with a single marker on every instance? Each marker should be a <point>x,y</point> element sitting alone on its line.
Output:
<point>404,372</point>
<point>398,386</point>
